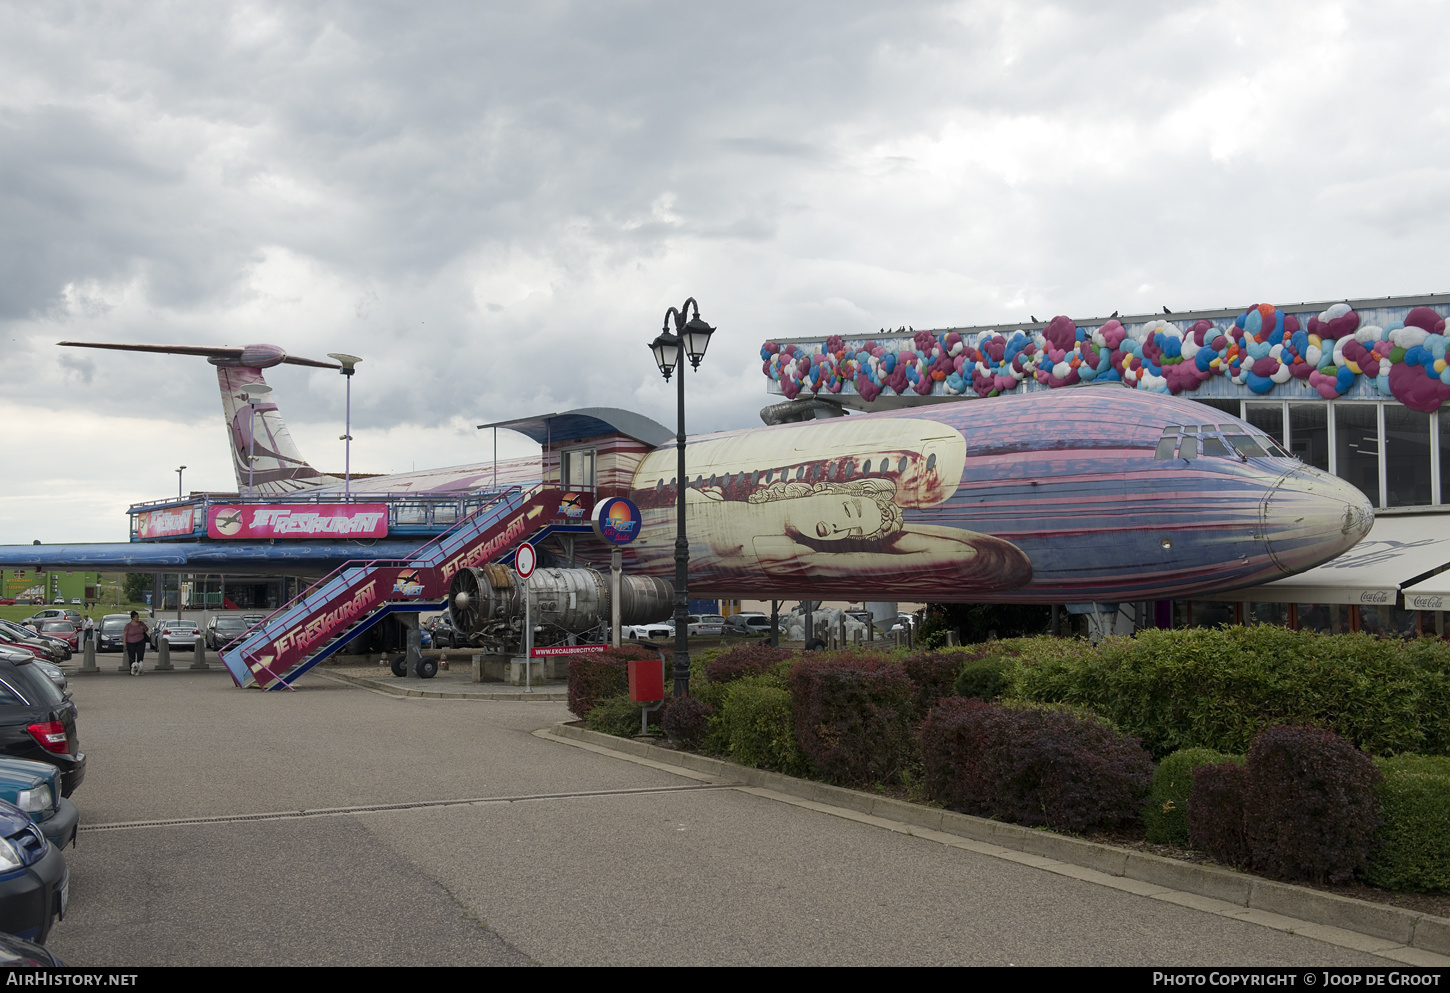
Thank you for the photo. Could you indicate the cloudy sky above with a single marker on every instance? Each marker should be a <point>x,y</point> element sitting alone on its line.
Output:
<point>494,204</point>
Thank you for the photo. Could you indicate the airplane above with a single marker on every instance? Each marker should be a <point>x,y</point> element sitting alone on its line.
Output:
<point>1090,494</point>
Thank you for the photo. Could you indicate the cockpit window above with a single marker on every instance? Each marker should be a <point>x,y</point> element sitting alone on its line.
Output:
<point>1246,446</point>
<point>1165,449</point>
<point>1189,449</point>
<point>1212,446</point>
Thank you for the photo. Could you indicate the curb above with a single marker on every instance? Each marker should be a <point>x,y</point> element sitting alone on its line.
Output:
<point>1409,928</point>
<point>539,696</point>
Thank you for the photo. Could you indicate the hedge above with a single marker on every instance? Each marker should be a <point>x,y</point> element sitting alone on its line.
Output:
<point>1302,806</point>
<point>1215,688</point>
<point>756,724</point>
<point>852,716</point>
<point>1165,815</point>
<point>1033,765</point>
<point>595,677</point>
<point>1413,844</point>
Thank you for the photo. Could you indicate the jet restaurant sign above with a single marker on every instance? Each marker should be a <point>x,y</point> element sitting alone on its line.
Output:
<point>303,520</point>
<point>616,521</point>
<point>167,522</point>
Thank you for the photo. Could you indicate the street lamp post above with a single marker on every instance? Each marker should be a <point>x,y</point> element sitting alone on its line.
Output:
<point>349,364</point>
<point>670,349</point>
<point>178,481</point>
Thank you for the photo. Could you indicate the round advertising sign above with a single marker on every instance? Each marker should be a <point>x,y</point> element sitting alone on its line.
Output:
<point>525,559</point>
<point>616,520</point>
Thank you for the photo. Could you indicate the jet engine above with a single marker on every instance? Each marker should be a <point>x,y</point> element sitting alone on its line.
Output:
<point>487,604</point>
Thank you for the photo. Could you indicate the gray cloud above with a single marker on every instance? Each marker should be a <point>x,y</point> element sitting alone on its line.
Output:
<point>493,205</point>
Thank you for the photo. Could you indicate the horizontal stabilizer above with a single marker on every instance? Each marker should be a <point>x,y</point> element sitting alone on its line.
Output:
<point>254,356</point>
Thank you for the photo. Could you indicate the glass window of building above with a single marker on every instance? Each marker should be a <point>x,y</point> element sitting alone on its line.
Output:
<point>1356,447</point>
<point>1268,613</point>
<point>1209,613</point>
<point>1407,457</point>
<point>579,467</point>
<point>1444,416</point>
<point>1268,418</point>
<point>1309,433</point>
<point>1230,407</point>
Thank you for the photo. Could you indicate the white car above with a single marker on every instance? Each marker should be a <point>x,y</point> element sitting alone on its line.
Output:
<point>658,631</point>
<point>705,625</point>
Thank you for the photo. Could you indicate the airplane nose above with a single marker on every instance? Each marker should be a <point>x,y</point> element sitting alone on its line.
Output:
<point>1309,517</point>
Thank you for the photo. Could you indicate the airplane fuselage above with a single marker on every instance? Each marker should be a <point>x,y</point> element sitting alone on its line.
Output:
<point>1051,497</point>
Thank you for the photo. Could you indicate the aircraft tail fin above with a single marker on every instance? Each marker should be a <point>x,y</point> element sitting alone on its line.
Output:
<point>272,466</point>
<point>276,465</point>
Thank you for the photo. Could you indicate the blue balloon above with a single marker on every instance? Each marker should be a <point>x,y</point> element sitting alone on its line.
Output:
<point>1344,379</point>
<point>1257,383</point>
<point>1204,358</point>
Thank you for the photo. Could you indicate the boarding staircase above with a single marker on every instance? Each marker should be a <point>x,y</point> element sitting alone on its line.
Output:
<point>358,594</point>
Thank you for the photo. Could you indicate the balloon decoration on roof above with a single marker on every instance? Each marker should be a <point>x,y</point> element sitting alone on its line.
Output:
<point>1262,348</point>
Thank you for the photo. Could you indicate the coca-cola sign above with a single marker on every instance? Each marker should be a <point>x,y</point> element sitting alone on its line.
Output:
<point>166,522</point>
<point>304,520</point>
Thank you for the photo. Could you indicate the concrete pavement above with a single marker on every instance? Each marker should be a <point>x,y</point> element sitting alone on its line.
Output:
<point>339,825</point>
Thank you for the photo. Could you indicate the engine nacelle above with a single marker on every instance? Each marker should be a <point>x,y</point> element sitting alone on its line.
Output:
<point>488,603</point>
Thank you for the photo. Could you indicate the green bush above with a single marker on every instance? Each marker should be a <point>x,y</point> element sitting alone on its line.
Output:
<point>616,715</point>
<point>1166,813</point>
<point>1413,850</point>
<point>984,679</point>
<point>756,724</point>
<point>1216,688</point>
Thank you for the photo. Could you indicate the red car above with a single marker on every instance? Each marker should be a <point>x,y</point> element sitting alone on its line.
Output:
<point>63,630</point>
<point>6,602</point>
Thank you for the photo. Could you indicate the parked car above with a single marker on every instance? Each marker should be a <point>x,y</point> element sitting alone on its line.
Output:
<point>705,625</point>
<point>62,630</point>
<point>111,633</point>
<point>34,883</point>
<point>34,787</point>
<point>6,602</point>
<point>181,634</point>
<point>751,623</point>
<point>222,628</point>
<point>658,631</point>
<point>443,633</point>
<point>31,641</point>
<point>54,614</point>
<point>17,953</point>
<point>37,721</point>
<point>75,602</point>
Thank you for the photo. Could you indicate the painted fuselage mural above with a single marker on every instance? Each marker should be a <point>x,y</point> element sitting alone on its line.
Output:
<point>1097,493</point>
<point>1092,493</point>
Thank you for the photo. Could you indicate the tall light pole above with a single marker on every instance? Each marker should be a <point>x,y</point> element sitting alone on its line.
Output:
<point>255,394</point>
<point>178,482</point>
<point>670,349</point>
<point>349,364</point>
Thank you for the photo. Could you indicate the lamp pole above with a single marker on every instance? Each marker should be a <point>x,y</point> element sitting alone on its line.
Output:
<point>670,349</point>
<point>178,482</point>
<point>349,364</point>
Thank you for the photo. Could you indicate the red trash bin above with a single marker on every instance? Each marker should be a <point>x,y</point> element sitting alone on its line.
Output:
<point>646,680</point>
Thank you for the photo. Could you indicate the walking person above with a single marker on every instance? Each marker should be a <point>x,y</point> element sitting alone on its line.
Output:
<point>135,638</point>
<point>88,630</point>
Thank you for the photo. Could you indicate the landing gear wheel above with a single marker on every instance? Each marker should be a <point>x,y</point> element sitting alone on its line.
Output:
<point>400,665</point>
<point>815,645</point>
<point>425,668</point>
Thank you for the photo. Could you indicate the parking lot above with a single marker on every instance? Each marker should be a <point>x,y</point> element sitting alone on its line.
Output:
<point>334,825</point>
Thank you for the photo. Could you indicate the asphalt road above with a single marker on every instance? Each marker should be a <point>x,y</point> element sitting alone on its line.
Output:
<point>331,826</point>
